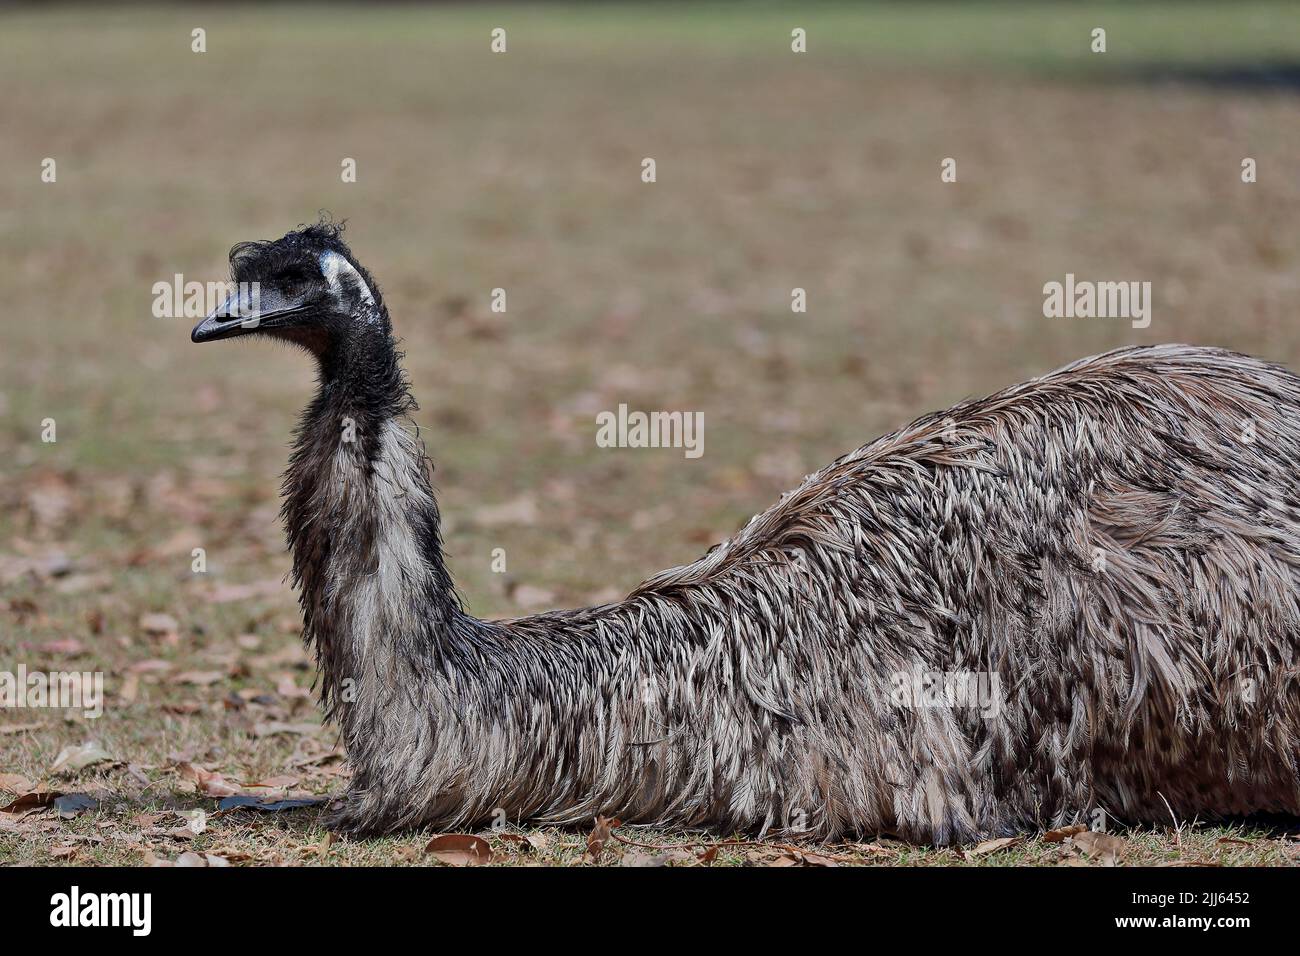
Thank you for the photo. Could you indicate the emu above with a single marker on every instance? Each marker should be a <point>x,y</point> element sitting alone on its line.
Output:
<point>1112,548</point>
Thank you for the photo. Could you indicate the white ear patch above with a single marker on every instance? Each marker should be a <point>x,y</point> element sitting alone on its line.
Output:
<point>332,265</point>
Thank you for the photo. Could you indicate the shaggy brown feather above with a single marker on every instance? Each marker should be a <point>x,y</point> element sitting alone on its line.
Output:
<point>1105,540</point>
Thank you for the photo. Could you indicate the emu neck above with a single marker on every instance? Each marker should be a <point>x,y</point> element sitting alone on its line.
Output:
<point>364,530</point>
<point>361,377</point>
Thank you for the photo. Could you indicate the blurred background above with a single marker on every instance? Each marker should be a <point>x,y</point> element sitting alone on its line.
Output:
<point>477,170</point>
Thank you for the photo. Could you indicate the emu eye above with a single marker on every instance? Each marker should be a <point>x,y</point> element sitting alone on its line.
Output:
<point>293,285</point>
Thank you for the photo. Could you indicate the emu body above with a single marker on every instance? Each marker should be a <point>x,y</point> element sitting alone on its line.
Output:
<point>1113,548</point>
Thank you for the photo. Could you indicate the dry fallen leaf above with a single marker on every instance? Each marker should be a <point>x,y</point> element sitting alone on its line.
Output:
<point>176,833</point>
<point>15,782</point>
<point>226,593</point>
<point>459,849</point>
<point>274,783</point>
<point>68,646</point>
<point>600,835</point>
<point>81,583</point>
<point>307,758</point>
<point>793,857</point>
<point>208,782</point>
<point>73,758</point>
<point>286,686</point>
<point>159,625</point>
<point>183,708</point>
<point>1105,847</point>
<point>28,802</point>
<point>1057,836</point>
<point>291,655</point>
<point>199,678</point>
<point>274,727</point>
<point>215,785</point>
<point>990,846</point>
<point>196,821</point>
<point>151,666</point>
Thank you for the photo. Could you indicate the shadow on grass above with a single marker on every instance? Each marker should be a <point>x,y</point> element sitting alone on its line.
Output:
<point>298,819</point>
<point>1273,77</point>
<point>1273,825</point>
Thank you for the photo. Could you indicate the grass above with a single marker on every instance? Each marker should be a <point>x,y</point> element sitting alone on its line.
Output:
<point>521,172</point>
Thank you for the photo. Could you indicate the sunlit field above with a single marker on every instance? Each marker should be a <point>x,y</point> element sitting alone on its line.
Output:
<point>477,171</point>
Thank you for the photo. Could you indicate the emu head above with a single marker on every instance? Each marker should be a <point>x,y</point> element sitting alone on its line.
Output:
<point>305,288</point>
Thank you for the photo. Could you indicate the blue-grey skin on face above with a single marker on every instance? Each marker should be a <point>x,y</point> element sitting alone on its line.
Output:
<point>268,305</point>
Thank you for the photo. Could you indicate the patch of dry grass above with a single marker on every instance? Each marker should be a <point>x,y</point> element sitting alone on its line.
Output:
<point>154,824</point>
<point>522,172</point>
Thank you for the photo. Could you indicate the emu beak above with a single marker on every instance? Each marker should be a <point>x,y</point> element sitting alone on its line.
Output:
<point>246,311</point>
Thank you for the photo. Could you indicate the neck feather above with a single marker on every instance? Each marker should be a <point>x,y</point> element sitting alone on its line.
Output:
<point>364,530</point>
